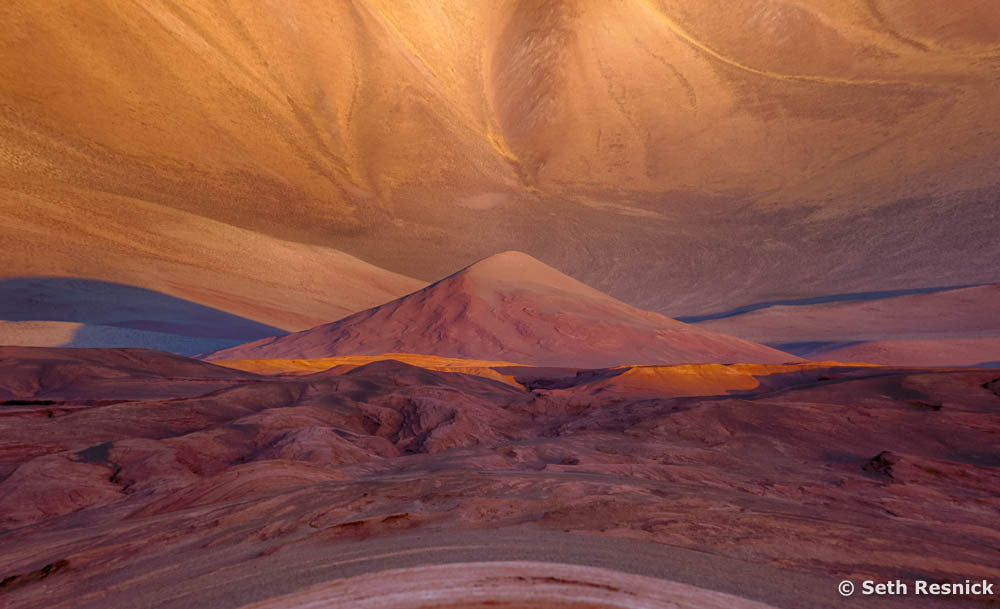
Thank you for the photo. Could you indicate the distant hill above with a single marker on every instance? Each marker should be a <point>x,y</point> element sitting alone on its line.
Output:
<point>952,327</point>
<point>512,307</point>
<point>684,156</point>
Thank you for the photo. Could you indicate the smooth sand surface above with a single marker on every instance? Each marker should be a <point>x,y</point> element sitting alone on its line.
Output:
<point>180,255</point>
<point>983,352</point>
<point>957,327</point>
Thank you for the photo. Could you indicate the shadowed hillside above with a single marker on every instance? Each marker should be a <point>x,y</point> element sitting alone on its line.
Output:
<point>67,312</point>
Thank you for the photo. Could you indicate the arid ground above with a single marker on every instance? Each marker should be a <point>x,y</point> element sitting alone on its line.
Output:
<point>294,162</point>
<point>469,304</point>
<point>133,478</point>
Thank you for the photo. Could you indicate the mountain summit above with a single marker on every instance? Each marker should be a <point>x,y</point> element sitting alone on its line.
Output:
<point>513,307</point>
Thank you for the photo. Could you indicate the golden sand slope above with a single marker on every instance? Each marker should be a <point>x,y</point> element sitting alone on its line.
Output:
<point>430,362</point>
<point>71,232</point>
<point>220,106</point>
<point>422,135</point>
<point>688,380</point>
<point>629,381</point>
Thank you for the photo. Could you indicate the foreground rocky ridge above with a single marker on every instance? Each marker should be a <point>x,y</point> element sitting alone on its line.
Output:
<point>195,485</point>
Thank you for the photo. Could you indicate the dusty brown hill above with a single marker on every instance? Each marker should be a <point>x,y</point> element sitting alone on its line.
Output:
<point>512,307</point>
<point>186,144</point>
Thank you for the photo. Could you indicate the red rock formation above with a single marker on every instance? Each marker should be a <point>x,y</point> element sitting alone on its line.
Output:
<point>770,483</point>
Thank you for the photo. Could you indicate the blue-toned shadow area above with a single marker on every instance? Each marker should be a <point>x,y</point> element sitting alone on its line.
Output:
<point>119,315</point>
<point>848,297</point>
<point>805,349</point>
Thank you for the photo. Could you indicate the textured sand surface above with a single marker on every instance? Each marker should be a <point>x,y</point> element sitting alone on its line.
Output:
<point>134,478</point>
<point>512,307</point>
<point>684,156</point>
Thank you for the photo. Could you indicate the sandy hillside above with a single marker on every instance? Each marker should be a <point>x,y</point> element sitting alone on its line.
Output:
<point>512,307</point>
<point>954,327</point>
<point>622,142</point>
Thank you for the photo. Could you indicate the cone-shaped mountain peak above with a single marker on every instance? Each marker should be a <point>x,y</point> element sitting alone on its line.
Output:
<point>512,307</point>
